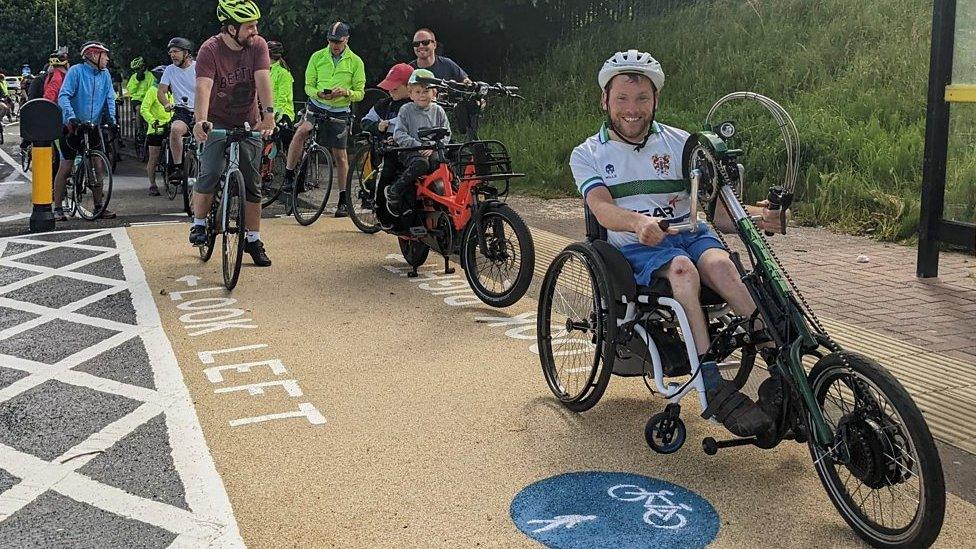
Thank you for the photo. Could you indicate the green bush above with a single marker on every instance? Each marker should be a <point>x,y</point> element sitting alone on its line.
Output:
<point>853,75</point>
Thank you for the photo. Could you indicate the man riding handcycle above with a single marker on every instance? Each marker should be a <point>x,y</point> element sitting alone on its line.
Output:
<point>654,293</point>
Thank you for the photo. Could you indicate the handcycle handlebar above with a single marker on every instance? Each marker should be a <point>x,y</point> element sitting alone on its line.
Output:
<point>692,224</point>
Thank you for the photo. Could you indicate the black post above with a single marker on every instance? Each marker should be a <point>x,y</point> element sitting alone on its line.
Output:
<point>936,138</point>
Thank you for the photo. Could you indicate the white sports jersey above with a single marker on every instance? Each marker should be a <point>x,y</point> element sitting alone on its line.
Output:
<point>648,182</point>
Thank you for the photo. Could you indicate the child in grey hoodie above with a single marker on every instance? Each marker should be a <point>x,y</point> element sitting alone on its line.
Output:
<point>420,114</point>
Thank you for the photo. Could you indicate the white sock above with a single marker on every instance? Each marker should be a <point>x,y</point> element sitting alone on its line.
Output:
<point>200,222</point>
<point>253,236</point>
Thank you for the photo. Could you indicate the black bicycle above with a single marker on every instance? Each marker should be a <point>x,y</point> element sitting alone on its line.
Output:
<point>313,179</point>
<point>89,188</point>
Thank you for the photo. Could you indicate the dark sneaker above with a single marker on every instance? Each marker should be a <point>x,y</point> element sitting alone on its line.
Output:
<point>106,213</point>
<point>392,201</point>
<point>176,175</point>
<point>736,411</point>
<point>342,210</point>
<point>198,235</point>
<point>256,251</point>
<point>154,191</point>
<point>59,215</point>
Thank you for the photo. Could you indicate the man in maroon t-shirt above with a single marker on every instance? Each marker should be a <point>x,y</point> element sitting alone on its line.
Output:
<point>233,71</point>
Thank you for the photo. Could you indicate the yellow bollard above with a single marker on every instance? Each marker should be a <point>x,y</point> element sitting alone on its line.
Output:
<point>42,189</point>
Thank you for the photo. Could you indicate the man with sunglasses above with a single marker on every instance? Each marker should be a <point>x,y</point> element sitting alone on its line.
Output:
<point>425,48</point>
<point>334,79</point>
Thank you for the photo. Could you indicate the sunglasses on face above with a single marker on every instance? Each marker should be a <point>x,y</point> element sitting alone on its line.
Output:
<point>417,43</point>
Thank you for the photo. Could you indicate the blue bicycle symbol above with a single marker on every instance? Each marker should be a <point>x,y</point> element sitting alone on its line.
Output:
<point>660,512</point>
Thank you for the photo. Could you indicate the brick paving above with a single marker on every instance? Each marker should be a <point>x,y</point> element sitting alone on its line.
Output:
<point>882,295</point>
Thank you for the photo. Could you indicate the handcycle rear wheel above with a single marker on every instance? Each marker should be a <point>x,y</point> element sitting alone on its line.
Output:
<point>500,272</point>
<point>884,475</point>
<point>232,242</point>
<point>360,191</point>
<point>310,192</point>
<point>576,327</point>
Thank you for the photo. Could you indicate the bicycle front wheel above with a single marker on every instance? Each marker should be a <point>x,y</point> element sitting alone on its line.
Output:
<point>232,220</point>
<point>93,184</point>
<point>191,170</point>
<point>361,182</point>
<point>883,473</point>
<point>213,227</point>
<point>498,256</point>
<point>311,190</point>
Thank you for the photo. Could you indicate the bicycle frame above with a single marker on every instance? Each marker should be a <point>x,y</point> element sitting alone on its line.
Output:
<point>775,301</point>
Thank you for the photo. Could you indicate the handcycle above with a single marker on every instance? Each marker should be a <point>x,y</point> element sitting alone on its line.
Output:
<point>84,180</point>
<point>226,215</point>
<point>870,445</point>
<point>459,211</point>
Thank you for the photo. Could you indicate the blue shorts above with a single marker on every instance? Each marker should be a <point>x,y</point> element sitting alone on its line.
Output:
<point>646,260</point>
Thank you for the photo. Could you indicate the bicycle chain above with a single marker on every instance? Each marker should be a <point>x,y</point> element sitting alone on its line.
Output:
<point>796,290</point>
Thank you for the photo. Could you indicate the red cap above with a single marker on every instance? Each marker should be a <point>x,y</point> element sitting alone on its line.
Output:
<point>398,75</point>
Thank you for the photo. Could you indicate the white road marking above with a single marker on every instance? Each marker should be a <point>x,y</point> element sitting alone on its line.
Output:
<point>13,164</point>
<point>14,217</point>
<point>211,522</point>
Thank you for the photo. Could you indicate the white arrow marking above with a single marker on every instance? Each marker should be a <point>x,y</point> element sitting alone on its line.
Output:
<point>566,521</point>
<point>189,279</point>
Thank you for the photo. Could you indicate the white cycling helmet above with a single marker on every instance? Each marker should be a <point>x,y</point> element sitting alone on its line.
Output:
<point>632,62</point>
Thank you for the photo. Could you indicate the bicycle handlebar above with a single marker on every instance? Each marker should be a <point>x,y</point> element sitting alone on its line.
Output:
<point>236,132</point>
<point>692,223</point>
<point>474,89</point>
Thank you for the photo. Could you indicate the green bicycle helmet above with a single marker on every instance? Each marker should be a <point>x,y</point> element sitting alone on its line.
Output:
<point>237,11</point>
<point>137,63</point>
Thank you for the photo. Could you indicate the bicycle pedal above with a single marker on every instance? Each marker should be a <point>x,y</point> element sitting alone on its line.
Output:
<point>711,446</point>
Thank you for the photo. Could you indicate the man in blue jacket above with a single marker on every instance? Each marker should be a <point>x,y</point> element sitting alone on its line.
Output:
<point>85,95</point>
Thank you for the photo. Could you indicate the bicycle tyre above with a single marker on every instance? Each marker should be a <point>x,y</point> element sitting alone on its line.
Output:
<point>206,251</point>
<point>502,251</point>
<point>233,230</point>
<point>88,173</point>
<point>360,192</point>
<point>866,436</point>
<point>310,193</point>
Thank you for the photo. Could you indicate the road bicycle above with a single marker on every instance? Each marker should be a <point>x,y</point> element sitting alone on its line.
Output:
<point>91,175</point>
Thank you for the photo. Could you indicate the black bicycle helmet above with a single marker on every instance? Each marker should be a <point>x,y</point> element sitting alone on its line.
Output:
<point>181,43</point>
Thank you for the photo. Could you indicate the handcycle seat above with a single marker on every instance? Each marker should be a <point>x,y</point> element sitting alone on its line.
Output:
<point>625,288</point>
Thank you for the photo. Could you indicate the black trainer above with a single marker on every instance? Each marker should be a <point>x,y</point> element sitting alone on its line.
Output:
<point>256,251</point>
<point>341,209</point>
<point>392,201</point>
<point>727,404</point>
<point>198,235</point>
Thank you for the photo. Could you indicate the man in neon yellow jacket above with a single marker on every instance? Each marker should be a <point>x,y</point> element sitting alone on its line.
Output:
<point>157,119</point>
<point>334,79</point>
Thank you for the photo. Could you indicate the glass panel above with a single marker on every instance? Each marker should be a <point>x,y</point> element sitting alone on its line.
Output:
<point>960,195</point>
<point>964,52</point>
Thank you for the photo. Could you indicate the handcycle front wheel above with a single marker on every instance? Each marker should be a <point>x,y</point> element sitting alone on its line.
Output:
<point>576,327</point>
<point>232,242</point>
<point>310,191</point>
<point>883,473</point>
<point>361,184</point>
<point>87,180</point>
<point>500,261</point>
